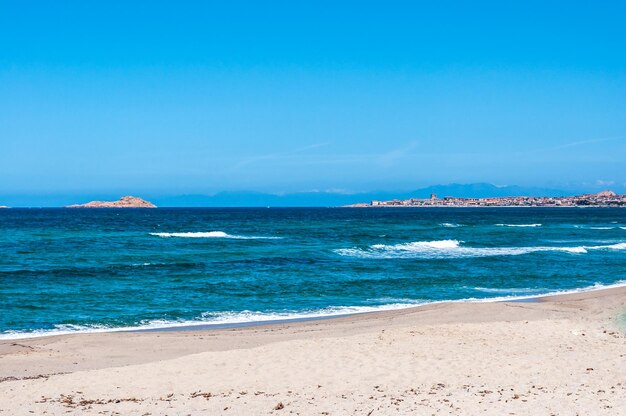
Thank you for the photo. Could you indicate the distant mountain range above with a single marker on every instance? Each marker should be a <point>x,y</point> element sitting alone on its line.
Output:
<point>298,199</point>
<point>325,199</point>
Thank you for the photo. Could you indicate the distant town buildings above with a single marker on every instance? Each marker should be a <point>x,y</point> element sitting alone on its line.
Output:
<point>601,199</point>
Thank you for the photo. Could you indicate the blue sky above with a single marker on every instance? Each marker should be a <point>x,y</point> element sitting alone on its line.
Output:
<point>201,97</point>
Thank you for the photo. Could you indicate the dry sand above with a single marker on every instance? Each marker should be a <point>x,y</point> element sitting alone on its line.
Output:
<point>563,355</point>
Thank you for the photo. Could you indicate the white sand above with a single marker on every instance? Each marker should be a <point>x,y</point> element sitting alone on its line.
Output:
<point>565,355</point>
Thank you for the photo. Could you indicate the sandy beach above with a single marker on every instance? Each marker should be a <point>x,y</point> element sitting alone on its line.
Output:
<point>559,355</point>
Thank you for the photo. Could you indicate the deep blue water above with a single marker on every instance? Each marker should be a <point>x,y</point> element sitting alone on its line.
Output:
<point>69,270</point>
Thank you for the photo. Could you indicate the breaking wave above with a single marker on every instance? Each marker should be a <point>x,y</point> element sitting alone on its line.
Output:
<point>211,319</point>
<point>208,320</point>
<point>450,225</point>
<point>586,227</point>
<point>213,234</point>
<point>453,249</point>
<point>518,225</point>
<point>511,290</point>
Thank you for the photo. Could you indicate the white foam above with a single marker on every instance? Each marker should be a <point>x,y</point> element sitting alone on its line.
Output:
<point>618,246</point>
<point>584,241</point>
<point>450,225</point>
<point>525,290</point>
<point>579,249</point>
<point>453,249</point>
<point>519,225</point>
<point>421,245</point>
<point>208,319</point>
<point>213,234</point>
<point>508,298</point>
<point>233,318</point>
<point>596,286</point>
<point>588,227</point>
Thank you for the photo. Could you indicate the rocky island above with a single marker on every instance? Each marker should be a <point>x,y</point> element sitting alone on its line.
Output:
<point>124,202</point>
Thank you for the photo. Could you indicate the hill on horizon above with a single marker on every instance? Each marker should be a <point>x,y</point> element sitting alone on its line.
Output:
<point>325,199</point>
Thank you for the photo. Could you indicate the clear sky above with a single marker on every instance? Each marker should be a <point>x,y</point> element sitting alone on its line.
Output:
<point>199,97</point>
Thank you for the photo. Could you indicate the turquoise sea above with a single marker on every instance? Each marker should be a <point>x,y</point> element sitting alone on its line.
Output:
<point>64,270</point>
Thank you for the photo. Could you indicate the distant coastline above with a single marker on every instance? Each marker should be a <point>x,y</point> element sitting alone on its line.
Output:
<point>601,199</point>
<point>604,199</point>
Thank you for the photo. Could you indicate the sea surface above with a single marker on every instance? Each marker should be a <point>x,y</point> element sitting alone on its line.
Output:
<point>64,270</point>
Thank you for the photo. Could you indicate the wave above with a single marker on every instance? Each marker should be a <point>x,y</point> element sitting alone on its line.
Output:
<point>600,227</point>
<point>519,225</point>
<point>210,319</point>
<point>442,249</point>
<point>450,225</point>
<point>524,290</point>
<point>213,234</point>
<point>217,319</point>
<point>618,246</point>
<point>587,227</point>
<point>585,241</point>
<point>539,293</point>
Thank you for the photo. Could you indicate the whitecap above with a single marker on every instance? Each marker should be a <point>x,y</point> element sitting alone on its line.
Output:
<point>213,234</point>
<point>596,227</point>
<point>450,225</point>
<point>452,249</point>
<point>524,290</point>
<point>437,244</point>
<point>519,225</point>
<point>618,246</point>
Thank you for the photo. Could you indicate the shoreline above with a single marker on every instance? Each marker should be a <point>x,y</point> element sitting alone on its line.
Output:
<point>301,317</point>
<point>560,354</point>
